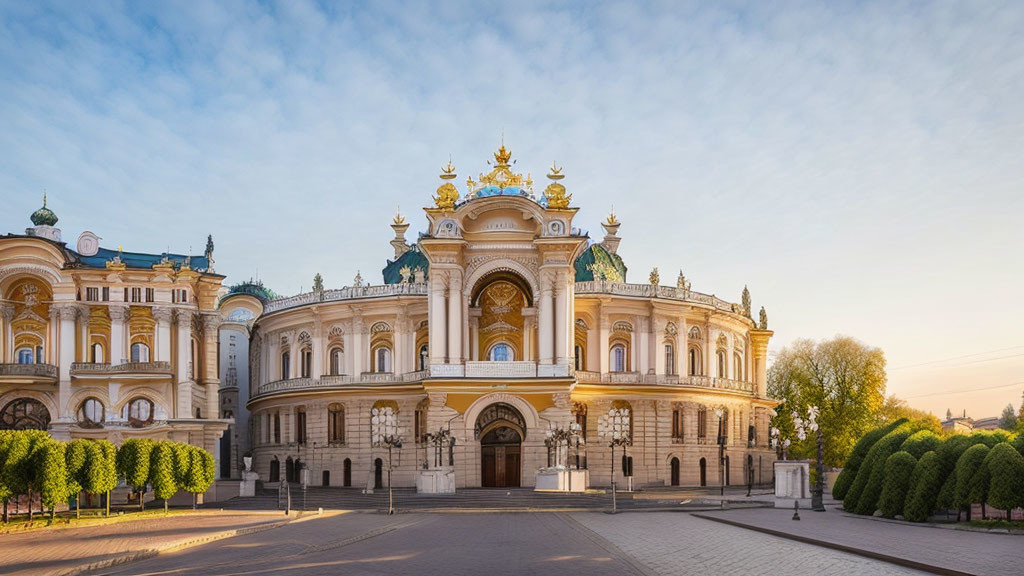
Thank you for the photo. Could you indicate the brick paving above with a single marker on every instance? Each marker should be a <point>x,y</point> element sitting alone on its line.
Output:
<point>943,548</point>
<point>55,551</point>
<point>670,543</point>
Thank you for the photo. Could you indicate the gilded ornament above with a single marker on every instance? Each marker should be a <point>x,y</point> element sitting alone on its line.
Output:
<point>612,220</point>
<point>555,192</point>
<point>447,194</point>
<point>764,319</point>
<point>655,278</point>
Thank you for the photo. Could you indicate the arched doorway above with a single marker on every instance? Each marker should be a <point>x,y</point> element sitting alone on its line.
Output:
<point>346,475</point>
<point>501,429</point>
<point>289,469</point>
<point>703,472</point>
<point>378,474</point>
<point>675,471</point>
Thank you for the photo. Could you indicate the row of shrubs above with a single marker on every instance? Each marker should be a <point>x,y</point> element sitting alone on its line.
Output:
<point>32,462</point>
<point>902,470</point>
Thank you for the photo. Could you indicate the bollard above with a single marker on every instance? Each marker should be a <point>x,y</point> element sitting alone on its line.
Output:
<point>796,509</point>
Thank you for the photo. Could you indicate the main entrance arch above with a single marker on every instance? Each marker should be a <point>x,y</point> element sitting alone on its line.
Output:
<point>501,430</point>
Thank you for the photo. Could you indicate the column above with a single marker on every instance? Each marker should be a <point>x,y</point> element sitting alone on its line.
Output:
<point>348,341</point>
<point>211,378</point>
<point>474,335</point>
<point>604,332</point>
<point>562,320</point>
<point>66,355</point>
<point>545,331</point>
<point>317,369</point>
<point>117,354</point>
<point>466,352</point>
<point>51,348</point>
<point>645,346</point>
<point>358,359</point>
<point>455,317</point>
<point>7,351</point>
<point>657,349</point>
<point>398,359</point>
<point>759,346</point>
<point>83,334</point>
<point>162,351</point>
<point>436,318</point>
<point>529,323</point>
<point>184,405</point>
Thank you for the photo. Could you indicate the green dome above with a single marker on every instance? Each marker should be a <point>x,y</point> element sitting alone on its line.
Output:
<point>44,216</point>
<point>596,260</point>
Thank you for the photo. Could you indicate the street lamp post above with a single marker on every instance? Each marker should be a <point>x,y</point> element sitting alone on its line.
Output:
<point>386,433</point>
<point>614,426</point>
<point>720,412</point>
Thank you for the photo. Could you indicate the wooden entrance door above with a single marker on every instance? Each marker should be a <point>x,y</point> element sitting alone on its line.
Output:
<point>500,463</point>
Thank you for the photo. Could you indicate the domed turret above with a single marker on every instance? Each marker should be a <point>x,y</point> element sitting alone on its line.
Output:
<point>44,216</point>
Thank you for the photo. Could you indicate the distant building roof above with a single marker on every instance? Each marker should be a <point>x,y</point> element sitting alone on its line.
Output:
<point>142,260</point>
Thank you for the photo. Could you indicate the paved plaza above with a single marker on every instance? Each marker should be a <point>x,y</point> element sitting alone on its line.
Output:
<point>508,543</point>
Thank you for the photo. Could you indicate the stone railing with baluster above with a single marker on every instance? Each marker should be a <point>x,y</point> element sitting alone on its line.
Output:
<point>366,378</point>
<point>649,291</point>
<point>158,367</point>
<point>38,370</point>
<point>585,377</point>
<point>347,293</point>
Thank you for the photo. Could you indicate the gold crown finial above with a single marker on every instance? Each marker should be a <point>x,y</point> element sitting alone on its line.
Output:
<point>503,154</point>
<point>448,170</point>
<point>556,172</point>
<point>398,219</point>
<point>612,220</point>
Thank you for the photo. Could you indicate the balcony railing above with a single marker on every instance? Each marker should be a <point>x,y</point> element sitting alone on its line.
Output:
<point>123,368</point>
<point>520,369</point>
<point>663,380</point>
<point>650,291</point>
<point>341,380</point>
<point>347,293</point>
<point>36,370</point>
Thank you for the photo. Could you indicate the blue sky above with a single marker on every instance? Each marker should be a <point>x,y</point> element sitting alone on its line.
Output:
<point>858,165</point>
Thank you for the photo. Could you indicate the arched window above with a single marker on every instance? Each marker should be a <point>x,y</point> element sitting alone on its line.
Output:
<point>618,358</point>
<point>424,356</point>
<point>702,424</point>
<point>139,412</point>
<point>581,360</point>
<point>91,413</point>
<point>275,470</point>
<point>694,361</point>
<point>277,427</point>
<point>300,424</point>
<point>286,360</point>
<point>337,361</point>
<point>306,358</point>
<point>346,475</point>
<point>140,352</point>
<point>721,364</point>
<point>703,472</point>
<point>737,368</point>
<point>501,352</point>
<point>25,356</point>
<point>670,359</point>
<point>97,353</point>
<point>382,359</point>
<point>24,414</point>
<point>674,464</point>
<point>336,423</point>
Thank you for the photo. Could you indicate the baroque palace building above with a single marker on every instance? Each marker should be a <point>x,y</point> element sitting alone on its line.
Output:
<point>101,343</point>
<point>501,322</point>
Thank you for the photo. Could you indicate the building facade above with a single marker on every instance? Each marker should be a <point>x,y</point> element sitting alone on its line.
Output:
<point>502,322</point>
<point>102,343</point>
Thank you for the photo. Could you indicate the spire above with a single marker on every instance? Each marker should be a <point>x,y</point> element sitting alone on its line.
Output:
<point>611,228</point>
<point>44,216</point>
<point>399,225</point>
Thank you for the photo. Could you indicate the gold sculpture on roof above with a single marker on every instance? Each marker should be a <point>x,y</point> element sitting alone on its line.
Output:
<point>447,194</point>
<point>611,220</point>
<point>500,177</point>
<point>555,192</point>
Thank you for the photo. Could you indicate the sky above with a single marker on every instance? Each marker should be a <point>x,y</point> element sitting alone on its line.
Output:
<point>858,165</point>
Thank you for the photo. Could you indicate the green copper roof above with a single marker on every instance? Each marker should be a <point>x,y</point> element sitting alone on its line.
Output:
<point>596,260</point>
<point>413,259</point>
<point>253,288</point>
<point>44,216</point>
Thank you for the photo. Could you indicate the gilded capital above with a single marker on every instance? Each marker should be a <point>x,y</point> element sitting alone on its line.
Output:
<point>118,312</point>
<point>759,342</point>
<point>163,313</point>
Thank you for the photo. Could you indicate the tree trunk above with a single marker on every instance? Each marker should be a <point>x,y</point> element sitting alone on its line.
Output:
<point>53,512</point>
<point>193,501</point>
<point>142,500</point>
<point>165,506</point>
<point>108,503</point>
<point>78,505</point>
<point>30,505</point>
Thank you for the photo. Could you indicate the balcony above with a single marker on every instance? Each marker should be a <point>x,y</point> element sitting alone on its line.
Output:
<point>340,381</point>
<point>105,369</point>
<point>521,369</point>
<point>649,291</point>
<point>664,380</point>
<point>28,373</point>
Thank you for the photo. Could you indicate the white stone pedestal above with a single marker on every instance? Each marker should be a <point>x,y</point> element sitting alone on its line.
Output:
<point>436,482</point>
<point>792,483</point>
<point>554,480</point>
<point>247,487</point>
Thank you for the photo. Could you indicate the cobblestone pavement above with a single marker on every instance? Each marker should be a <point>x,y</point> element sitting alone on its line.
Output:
<point>509,543</point>
<point>58,550</point>
<point>957,550</point>
<point>672,543</point>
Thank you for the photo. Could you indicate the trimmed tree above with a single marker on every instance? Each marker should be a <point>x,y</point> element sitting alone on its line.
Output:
<point>30,468</point>
<point>162,476</point>
<point>199,474</point>
<point>102,476</point>
<point>133,458</point>
<point>1018,440</point>
<point>920,442</point>
<point>5,489</point>
<point>76,457</point>
<point>863,496</point>
<point>924,488</point>
<point>898,469</point>
<point>1006,478</point>
<point>52,475</point>
<point>860,451</point>
<point>966,468</point>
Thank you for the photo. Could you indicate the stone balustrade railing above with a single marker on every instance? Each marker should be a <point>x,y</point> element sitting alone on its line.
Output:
<point>663,380</point>
<point>651,291</point>
<point>347,293</point>
<point>37,370</point>
<point>160,367</point>
<point>341,380</point>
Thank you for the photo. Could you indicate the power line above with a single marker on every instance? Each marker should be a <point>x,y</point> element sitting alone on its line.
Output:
<point>949,392</point>
<point>965,356</point>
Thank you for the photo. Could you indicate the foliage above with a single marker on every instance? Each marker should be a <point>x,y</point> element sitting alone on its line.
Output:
<point>1018,443</point>
<point>1008,419</point>
<point>843,377</point>
<point>966,468</point>
<point>894,409</point>
<point>51,475</point>
<point>898,469</point>
<point>867,487</point>
<point>920,442</point>
<point>102,476</point>
<point>857,455</point>
<point>162,470</point>
<point>76,456</point>
<point>1006,477</point>
<point>947,494</point>
<point>6,437</point>
<point>924,485</point>
<point>133,462</point>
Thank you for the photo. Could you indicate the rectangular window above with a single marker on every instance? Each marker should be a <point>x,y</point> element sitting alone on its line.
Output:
<point>125,295</point>
<point>136,294</point>
<point>277,428</point>
<point>106,293</point>
<point>149,295</point>
<point>677,424</point>
<point>702,425</point>
<point>300,425</point>
<point>92,294</point>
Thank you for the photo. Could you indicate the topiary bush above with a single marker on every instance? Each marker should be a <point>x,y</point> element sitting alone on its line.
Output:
<point>920,442</point>
<point>1018,442</point>
<point>863,496</point>
<point>162,475</point>
<point>102,474</point>
<point>200,472</point>
<point>1006,478</point>
<point>76,456</point>
<point>898,469</point>
<point>52,475</point>
<point>860,450</point>
<point>132,462</point>
<point>924,486</point>
<point>967,466</point>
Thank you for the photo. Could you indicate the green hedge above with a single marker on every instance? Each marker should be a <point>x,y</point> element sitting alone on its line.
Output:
<point>898,469</point>
<point>162,473</point>
<point>867,487</point>
<point>925,484</point>
<point>1006,477</point>
<point>860,450</point>
<point>967,467</point>
<point>920,442</point>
